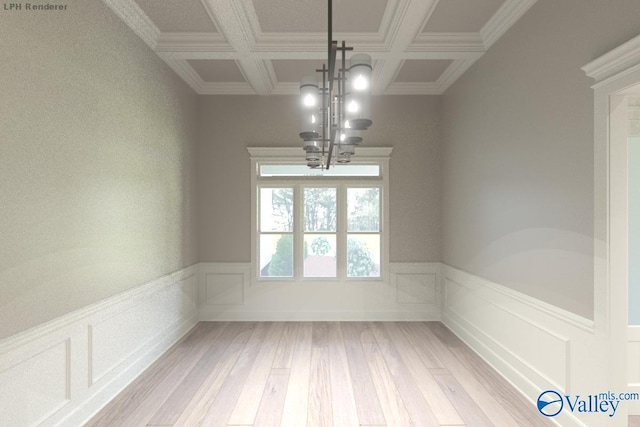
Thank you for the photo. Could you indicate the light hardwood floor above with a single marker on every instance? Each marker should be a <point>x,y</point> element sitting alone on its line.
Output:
<point>318,374</point>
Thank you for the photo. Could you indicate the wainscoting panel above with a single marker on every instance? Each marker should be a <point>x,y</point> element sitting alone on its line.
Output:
<point>48,373</point>
<point>535,345</point>
<point>223,283</point>
<point>416,283</point>
<point>145,324</point>
<point>62,372</point>
<point>228,291</point>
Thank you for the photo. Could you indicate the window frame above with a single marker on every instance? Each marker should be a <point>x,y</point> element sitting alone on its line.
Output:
<point>366,155</point>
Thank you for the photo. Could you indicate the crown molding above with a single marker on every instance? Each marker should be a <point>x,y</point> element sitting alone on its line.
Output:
<point>454,71</point>
<point>132,15</point>
<point>623,59</point>
<point>503,19</point>
<point>227,88</point>
<point>447,42</point>
<point>286,88</point>
<point>187,73</point>
<point>388,18</point>
<point>408,19</point>
<point>192,42</point>
<point>257,74</point>
<point>413,88</point>
<point>232,22</point>
<point>250,18</point>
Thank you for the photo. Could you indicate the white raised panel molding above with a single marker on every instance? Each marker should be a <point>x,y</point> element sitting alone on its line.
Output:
<point>222,284</point>
<point>534,345</point>
<point>62,372</point>
<point>411,292</point>
<point>49,371</point>
<point>416,283</point>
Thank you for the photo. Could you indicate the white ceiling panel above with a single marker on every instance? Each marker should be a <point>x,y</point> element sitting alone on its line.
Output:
<point>311,15</point>
<point>422,70</point>
<point>217,70</point>
<point>461,16</point>
<point>178,15</point>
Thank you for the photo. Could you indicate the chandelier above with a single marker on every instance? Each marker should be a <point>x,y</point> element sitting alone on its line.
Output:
<point>336,105</point>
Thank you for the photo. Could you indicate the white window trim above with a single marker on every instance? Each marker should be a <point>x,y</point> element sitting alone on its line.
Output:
<point>364,155</point>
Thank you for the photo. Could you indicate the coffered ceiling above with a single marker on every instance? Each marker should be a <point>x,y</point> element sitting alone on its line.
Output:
<point>265,47</point>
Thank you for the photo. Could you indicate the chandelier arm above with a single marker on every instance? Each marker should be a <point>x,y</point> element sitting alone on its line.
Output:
<point>333,105</point>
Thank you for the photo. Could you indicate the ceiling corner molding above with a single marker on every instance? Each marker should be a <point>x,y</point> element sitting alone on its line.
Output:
<point>187,73</point>
<point>136,19</point>
<point>625,58</point>
<point>454,71</point>
<point>192,42</point>
<point>503,19</point>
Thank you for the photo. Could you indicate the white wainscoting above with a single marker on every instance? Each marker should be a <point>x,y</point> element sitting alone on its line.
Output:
<point>228,292</point>
<point>62,372</point>
<point>534,345</point>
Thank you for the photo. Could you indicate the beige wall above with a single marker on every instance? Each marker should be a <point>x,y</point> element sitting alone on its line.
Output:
<point>229,124</point>
<point>518,152</point>
<point>96,142</point>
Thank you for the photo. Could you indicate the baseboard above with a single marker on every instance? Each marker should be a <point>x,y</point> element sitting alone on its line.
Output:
<point>62,372</point>
<point>534,345</point>
<point>228,291</point>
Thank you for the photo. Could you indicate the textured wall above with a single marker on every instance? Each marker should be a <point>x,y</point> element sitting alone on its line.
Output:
<point>518,152</point>
<point>229,124</point>
<point>97,137</point>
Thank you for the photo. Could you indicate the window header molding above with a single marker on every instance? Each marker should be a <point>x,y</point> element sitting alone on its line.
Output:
<point>612,65</point>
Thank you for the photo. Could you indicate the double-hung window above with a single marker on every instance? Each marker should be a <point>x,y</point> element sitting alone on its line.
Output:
<point>319,225</point>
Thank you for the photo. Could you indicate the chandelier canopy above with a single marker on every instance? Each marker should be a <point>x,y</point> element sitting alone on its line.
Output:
<point>336,105</point>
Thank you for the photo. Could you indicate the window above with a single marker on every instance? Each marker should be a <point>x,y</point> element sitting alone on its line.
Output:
<point>315,227</point>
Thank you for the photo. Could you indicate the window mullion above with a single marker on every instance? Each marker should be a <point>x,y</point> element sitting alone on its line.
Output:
<point>341,230</point>
<point>298,232</point>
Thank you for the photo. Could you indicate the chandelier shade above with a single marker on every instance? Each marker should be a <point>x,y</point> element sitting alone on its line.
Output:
<point>335,105</point>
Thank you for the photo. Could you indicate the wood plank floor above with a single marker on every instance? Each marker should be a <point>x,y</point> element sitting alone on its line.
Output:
<point>318,374</point>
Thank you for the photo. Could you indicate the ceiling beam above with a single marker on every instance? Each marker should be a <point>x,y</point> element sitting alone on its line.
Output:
<point>408,23</point>
<point>234,26</point>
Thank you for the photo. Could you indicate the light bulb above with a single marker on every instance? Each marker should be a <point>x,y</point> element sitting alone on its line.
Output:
<point>313,119</point>
<point>352,107</point>
<point>347,125</point>
<point>309,100</point>
<point>360,83</point>
<point>342,137</point>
